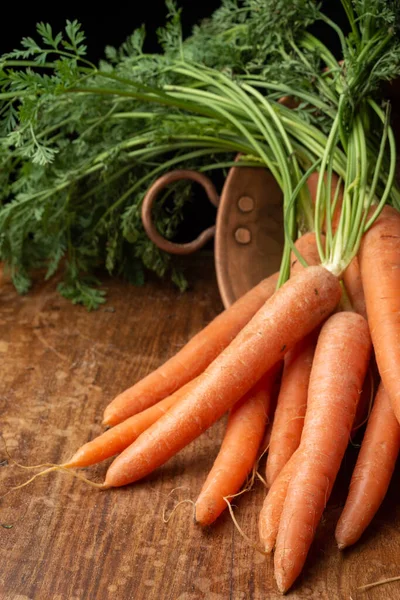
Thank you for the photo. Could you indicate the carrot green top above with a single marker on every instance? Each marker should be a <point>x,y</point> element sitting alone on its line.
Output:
<point>198,103</point>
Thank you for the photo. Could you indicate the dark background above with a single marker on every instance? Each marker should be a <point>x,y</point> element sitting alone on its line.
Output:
<point>112,24</point>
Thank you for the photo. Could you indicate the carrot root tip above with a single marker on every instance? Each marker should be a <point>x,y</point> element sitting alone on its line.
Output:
<point>268,548</point>
<point>282,587</point>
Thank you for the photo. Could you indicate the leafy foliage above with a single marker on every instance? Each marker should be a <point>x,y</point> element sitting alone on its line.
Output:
<point>80,144</point>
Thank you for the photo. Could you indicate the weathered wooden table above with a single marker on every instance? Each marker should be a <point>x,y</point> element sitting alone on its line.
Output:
<point>62,540</point>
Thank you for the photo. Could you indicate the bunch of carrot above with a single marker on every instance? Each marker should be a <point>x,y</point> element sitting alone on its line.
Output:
<point>321,326</point>
<point>315,329</point>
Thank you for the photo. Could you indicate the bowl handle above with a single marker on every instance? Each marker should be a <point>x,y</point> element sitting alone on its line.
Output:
<point>152,194</point>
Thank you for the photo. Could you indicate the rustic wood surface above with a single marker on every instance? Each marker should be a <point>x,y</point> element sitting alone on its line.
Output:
<point>62,540</point>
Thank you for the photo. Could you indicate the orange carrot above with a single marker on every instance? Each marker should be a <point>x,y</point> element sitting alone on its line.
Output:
<point>355,291</point>
<point>238,453</point>
<point>292,399</point>
<point>272,407</point>
<point>372,473</point>
<point>273,504</point>
<point>380,272</point>
<point>193,358</point>
<point>271,511</point>
<point>290,314</point>
<point>366,399</point>
<point>355,299</point>
<point>339,367</point>
<point>286,433</point>
<point>121,436</point>
<point>291,406</point>
<point>264,446</point>
<point>354,287</point>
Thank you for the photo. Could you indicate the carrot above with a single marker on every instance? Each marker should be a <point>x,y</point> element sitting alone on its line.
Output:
<point>372,473</point>
<point>271,414</point>
<point>264,446</point>
<point>193,358</point>
<point>238,453</point>
<point>292,399</point>
<point>307,247</point>
<point>380,272</point>
<point>355,291</point>
<point>338,371</point>
<point>354,287</point>
<point>290,314</point>
<point>118,438</point>
<point>366,399</point>
<point>271,511</point>
<point>291,407</point>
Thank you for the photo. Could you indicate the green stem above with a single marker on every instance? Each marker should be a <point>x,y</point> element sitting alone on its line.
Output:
<point>14,95</point>
<point>302,182</point>
<point>362,165</point>
<point>27,63</point>
<point>337,29</point>
<point>289,149</point>
<point>289,91</point>
<point>392,167</point>
<point>326,89</point>
<point>351,18</point>
<point>319,203</point>
<point>310,42</point>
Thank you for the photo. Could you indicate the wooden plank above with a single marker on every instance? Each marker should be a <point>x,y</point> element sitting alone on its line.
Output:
<point>60,365</point>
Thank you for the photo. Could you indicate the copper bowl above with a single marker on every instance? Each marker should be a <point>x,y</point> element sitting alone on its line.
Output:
<point>248,230</point>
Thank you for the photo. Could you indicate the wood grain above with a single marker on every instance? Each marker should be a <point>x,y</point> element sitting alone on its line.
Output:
<point>59,367</point>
